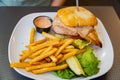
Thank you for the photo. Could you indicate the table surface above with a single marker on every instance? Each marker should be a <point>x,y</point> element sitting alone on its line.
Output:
<point>9,16</point>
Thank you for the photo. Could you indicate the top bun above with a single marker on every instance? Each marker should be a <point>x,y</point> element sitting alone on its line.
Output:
<point>71,17</point>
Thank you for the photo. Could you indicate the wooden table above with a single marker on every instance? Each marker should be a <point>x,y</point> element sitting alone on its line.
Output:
<point>9,16</point>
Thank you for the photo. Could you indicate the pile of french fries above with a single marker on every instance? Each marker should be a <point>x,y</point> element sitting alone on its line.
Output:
<point>45,55</point>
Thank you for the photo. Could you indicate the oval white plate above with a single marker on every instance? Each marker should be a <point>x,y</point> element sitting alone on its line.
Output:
<point>20,38</point>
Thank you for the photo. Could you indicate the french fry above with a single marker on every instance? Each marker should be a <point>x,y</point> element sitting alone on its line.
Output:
<point>44,51</point>
<point>23,52</point>
<point>40,62</point>
<point>29,47</point>
<point>72,53</point>
<point>37,42</point>
<point>48,59</point>
<point>42,56</point>
<point>49,35</point>
<point>53,58</point>
<point>23,57</point>
<point>46,44</point>
<point>19,65</point>
<point>45,65</point>
<point>47,50</point>
<point>68,50</point>
<point>25,64</point>
<point>37,53</point>
<point>81,50</point>
<point>59,56</point>
<point>67,56</point>
<point>32,34</point>
<point>69,41</point>
<point>70,47</point>
<point>61,42</point>
<point>43,45</point>
<point>43,70</point>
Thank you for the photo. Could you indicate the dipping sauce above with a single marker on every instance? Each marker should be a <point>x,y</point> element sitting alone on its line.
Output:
<point>42,23</point>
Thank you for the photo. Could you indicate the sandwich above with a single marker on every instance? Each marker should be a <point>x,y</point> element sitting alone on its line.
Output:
<point>76,23</point>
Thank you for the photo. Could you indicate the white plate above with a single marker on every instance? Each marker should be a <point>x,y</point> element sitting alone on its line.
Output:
<point>20,38</point>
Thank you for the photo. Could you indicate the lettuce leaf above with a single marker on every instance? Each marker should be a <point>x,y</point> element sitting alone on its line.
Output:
<point>89,62</point>
<point>80,43</point>
<point>65,74</point>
